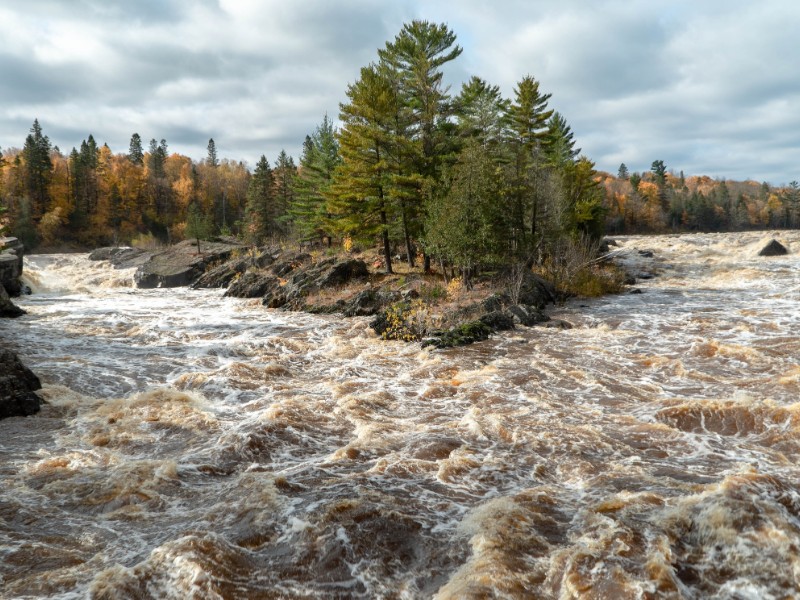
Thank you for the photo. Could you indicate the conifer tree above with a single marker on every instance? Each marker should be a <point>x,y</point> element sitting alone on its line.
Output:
<point>317,164</point>
<point>360,197</point>
<point>37,165</point>
<point>284,173</point>
<point>482,113</point>
<point>260,210</point>
<point>623,173</point>
<point>559,142</point>
<point>414,62</point>
<point>528,116</point>
<point>135,151</point>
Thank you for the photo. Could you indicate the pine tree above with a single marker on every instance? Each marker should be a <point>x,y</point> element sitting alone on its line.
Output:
<point>212,154</point>
<point>528,116</point>
<point>198,226</point>
<point>135,152</point>
<point>359,198</point>
<point>559,142</point>
<point>482,113</point>
<point>37,164</point>
<point>466,226</point>
<point>284,173</point>
<point>260,211</point>
<point>317,164</point>
<point>623,172</point>
<point>414,62</point>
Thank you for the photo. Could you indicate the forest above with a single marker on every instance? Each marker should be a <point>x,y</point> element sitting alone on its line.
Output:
<point>468,180</point>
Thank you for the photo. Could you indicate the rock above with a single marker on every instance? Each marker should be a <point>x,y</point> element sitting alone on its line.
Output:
<point>121,257</point>
<point>368,302</point>
<point>774,248</point>
<point>646,253</point>
<point>635,291</point>
<point>11,255</point>
<point>527,315</point>
<point>17,387</point>
<point>7,308</point>
<point>498,321</point>
<point>494,302</point>
<point>342,272</point>
<point>181,264</point>
<point>558,324</point>
<point>462,335</point>
<point>253,284</point>
<point>644,275</point>
<point>222,275</point>
<point>536,291</point>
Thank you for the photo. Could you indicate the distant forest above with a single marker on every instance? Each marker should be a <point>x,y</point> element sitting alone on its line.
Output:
<point>471,180</point>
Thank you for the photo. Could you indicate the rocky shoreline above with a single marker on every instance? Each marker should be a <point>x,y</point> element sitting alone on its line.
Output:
<point>341,284</point>
<point>17,383</point>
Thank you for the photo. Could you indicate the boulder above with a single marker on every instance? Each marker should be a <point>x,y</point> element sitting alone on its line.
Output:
<point>368,302</point>
<point>498,321</point>
<point>17,387</point>
<point>526,315</point>
<point>222,275</point>
<point>122,257</point>
<point>536,291</point>
<point>774,248</point>
<point>182,264</point>
<point>11,255</point>
<point>7,308</point>
<point>253,284</point>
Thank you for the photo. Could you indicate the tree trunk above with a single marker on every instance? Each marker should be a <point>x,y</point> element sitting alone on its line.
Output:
<point>407,236</point>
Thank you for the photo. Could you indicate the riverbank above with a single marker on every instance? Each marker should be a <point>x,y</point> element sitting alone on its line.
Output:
<point>407,305</point>
<point>17,383</point>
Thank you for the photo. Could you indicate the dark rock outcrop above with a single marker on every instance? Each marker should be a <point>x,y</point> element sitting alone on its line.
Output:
<point>122,258</point>
<point>526,315</point>
<point>17,387</point>
<point>11,254</point>
<point>288,282</point>
<point>536,291</point>
<point>7,308</point>
<point>774,248</point>
<point>182,264</point>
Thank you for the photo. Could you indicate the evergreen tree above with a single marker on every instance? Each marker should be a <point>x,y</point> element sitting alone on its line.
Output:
<point>466,226</point>
<point>260,211</point>
<point>559,143</point>
<point>135,152</point>
<point>198,226</point>
<point>212,154</point>
<point>317,164</point>
<point>528,116</point>
<point>482,113</point>
<point>284,173</point>
<point>623,172</point>
<point>360,198</point>
<point>38,166</point>
<point>421,119</point>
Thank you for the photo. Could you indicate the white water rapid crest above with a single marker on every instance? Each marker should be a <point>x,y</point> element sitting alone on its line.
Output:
<point>200,447</point>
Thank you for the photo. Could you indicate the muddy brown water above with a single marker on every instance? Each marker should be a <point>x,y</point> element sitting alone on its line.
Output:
<point>201,447</point>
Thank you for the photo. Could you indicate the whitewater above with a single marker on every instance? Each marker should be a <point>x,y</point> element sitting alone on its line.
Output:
<point>195,446</point>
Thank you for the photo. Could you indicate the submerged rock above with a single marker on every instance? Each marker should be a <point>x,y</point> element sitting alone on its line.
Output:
<point>774,248</point>
<point>17,387</point>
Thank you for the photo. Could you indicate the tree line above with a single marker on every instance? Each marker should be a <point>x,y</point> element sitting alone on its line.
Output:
<point>470,180</point>
<point>660,201</point>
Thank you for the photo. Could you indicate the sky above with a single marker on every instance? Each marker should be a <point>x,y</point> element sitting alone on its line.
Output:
<point>708,86</point>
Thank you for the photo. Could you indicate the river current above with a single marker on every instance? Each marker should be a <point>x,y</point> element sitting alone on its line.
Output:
<point>196,446</point>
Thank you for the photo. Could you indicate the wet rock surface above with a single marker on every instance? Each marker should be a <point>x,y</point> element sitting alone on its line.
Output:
<point>182,264</point>
<point>17,387</point>
<point>774,248</point>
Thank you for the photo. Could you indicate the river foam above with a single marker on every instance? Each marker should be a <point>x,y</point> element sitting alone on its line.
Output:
<point>196,446</point>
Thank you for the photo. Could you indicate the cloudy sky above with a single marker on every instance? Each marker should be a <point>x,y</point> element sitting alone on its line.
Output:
<point>709,86</point>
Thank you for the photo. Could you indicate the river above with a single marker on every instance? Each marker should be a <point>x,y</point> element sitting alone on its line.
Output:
<point>200,447</point>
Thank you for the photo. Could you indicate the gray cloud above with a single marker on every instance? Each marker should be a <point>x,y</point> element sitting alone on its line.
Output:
<point>707,87</point>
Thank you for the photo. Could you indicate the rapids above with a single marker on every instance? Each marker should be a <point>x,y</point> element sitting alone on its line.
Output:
<point>199,447</point>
